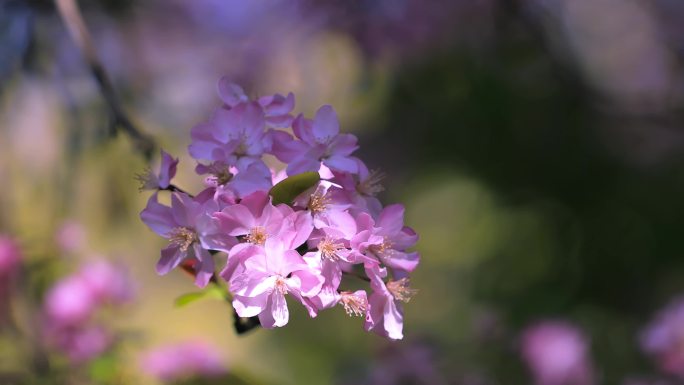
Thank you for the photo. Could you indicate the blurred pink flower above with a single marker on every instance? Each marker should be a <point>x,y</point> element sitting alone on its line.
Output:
<point>71,305</point>
<point>186,360</point>
<point>10,256</point>
<point>663,338</point>
<point>557,354</point>
<point>70,236</point>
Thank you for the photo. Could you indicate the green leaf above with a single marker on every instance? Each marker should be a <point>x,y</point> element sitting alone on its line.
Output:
<point>214,292</point>
<point>287,190</point>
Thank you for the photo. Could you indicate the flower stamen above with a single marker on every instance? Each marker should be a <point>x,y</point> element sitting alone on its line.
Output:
<point>354,305</point>
<point>257,235</point>
<point>400,290</point>
<point>371,186</point>
<point>183,237</point>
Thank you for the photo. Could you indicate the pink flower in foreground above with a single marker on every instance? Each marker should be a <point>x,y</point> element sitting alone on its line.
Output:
<point>319,142</point>
<point>191,231</point>
<point>663,338</point>
<point>162,180</point>
<point>387,239</point>
<point>183,361</point>
<point>385,314</point>
<point>260,283</point>
<point>557,354</point>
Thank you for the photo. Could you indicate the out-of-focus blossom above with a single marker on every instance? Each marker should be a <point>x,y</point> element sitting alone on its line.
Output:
<point>557,353</point>
<point>647,381</point>
<point>70,237</point>
<point>410,363</point>
<point>183,361</point>
<point>167,170</point>
<point>10,256</point>
<point>276,107</point>
<point>72,304</point>
<point>663,338</point>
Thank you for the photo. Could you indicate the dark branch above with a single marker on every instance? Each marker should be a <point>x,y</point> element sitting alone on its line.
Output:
<point>73,19</point>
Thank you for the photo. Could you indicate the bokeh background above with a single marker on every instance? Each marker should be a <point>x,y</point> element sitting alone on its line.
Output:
<point>537,145</point>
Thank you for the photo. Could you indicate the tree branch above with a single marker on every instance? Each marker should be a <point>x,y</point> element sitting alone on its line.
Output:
<point>73,19</point>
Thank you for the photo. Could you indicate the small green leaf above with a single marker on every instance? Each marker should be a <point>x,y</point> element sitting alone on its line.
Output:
<point>287,190</point>
<point>214,292</point>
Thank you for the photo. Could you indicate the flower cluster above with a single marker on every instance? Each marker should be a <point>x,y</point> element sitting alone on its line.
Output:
<point>295,232</point>
<point>663,338</point>
<point>182,361</point>
<point>72,306</point>
<point>557,353</point>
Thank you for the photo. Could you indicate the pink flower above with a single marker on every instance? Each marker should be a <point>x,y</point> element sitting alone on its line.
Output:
<point>70,237</point>
<point>385,314</point>
<point>361,189</point>
<point>276,107</point>
<point>191,230</point>
<point>320,142</point>
<point>254,176</point>
<point>557,354</point>
<point>260,283</point>
<point>10,257</point>
<point>161,181</point>
<point>663,338</point>
<point>184,361</point>
<point>325,204</point>
<point>387,239</point>
<point>331,257</point>
<point>71,306</point>
<point>231,136</point>
<point>254,218</point>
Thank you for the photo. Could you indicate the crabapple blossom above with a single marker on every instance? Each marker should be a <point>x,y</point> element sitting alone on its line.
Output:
<point>320,142</point>
<point>557,354</point>
<point>162,180</point>
<point>71,306</point>
<point>191,230</point>
<point>302,228</point>
<point>663,337</point>
<point>185,360</point>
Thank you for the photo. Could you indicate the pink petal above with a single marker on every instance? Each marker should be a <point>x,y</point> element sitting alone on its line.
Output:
<point>391,219</point>
<point>236,220</point>
<point>230,93</point>
<point>279,309</point>
<point>309,283</point>
<point>302,129</point>
<point>341,163</point>
<point>249,306</point>
<point>167,170</point>
<point>403,261</point>
<point>157,216</point>
<point>325,125</point>
<point>205,268</point>
<point>171,257</point>
<point>303,164</point>
<point>344,145</point>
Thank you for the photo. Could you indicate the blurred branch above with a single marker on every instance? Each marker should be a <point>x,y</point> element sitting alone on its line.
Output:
<point>73,19</point>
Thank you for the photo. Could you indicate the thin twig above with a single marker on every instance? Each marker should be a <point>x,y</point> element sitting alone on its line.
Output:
<point>73,19</point>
